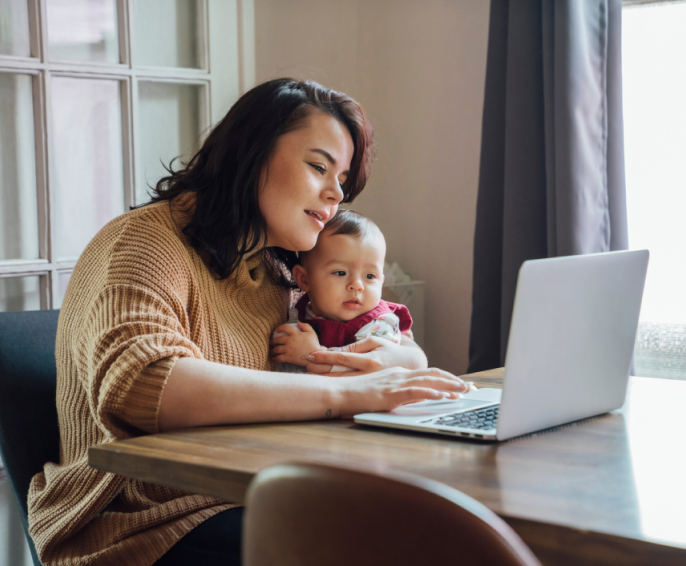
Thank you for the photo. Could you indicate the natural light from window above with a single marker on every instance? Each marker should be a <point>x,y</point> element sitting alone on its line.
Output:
<point>654,90</point>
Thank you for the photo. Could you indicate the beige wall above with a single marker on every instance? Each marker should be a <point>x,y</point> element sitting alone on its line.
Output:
<point>418,69</point>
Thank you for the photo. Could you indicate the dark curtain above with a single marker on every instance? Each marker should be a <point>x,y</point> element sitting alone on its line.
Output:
<point>552,154</point>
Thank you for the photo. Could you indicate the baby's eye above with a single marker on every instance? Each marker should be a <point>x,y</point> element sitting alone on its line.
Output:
<point>339,273</point>
<point>371,276</point>
<point>318,168</point>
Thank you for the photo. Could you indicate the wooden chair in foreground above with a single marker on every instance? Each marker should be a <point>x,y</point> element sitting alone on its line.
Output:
<point>314,515</point>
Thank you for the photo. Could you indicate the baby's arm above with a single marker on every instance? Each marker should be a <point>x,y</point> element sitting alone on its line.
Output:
<point>291,345</point>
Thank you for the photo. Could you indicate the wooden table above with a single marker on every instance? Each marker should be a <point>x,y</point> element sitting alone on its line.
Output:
<point>608,490</point>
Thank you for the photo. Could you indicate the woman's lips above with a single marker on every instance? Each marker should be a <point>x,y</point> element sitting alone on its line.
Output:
<point>315,219</point>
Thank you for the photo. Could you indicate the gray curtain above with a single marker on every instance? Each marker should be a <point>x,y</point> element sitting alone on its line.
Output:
<point>552,153</point>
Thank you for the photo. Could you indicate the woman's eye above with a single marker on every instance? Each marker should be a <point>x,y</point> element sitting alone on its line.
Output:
<point>318,168</point>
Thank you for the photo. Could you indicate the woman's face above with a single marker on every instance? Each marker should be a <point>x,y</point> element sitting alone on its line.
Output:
<point>301,186</point>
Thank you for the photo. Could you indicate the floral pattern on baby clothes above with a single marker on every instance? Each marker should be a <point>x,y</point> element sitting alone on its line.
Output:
<point>386,326</point>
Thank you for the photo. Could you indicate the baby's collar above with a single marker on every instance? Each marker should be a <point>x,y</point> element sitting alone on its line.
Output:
<point>309,313</point>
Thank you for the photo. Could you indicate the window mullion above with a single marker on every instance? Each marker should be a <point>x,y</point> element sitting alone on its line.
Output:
<point>20,64</point>
<point>43,162</point>
<point>46,290</point>
<point>89,70</point>
<point>127,102</point>
<point>130,114</point>
<point>123,12</point>
<point>36,38</point>
<point>40,122</point>
<point>48,184</point>
<point>202,32</point>
<point>134,136</point>
<point>129,11</point>
<point>42,27</point>
<point>23,267</point>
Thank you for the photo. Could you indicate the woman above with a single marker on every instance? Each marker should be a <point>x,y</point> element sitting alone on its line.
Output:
<point>167,319</point>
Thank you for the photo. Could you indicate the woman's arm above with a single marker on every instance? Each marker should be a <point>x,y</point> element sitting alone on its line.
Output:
<point>374,354</point>
<point>202,393</point>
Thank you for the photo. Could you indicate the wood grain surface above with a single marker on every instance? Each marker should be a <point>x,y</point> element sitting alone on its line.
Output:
<point>575,494</point>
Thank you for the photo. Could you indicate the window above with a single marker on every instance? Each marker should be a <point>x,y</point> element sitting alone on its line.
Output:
<point>93,95</point>
<point>653,52</point>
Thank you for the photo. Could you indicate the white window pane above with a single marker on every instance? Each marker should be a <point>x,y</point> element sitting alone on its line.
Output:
<point>18,201</point>
<point>169,128</point>
<point>20,293</point>
<point>654,90</point>
<point>14,28</point>
<point>166,33</point>
<point>83,30</point>
<point>87,148</point>
<point>63,278</point>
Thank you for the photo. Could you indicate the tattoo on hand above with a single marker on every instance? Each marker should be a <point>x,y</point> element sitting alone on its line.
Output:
<point>328,413</point>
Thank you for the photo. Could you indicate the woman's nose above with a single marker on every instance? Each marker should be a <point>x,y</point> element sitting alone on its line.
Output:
<point>334,193</point>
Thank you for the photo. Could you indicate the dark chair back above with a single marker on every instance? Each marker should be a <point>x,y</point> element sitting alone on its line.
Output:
<point>29,433</point>
<point>309,515</point>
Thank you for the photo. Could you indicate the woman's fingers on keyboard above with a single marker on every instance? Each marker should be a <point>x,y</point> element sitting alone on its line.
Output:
<point>412,394</point>
<point>438,379</point>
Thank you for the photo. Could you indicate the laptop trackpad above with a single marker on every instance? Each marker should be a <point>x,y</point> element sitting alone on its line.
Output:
<point>431,408</point>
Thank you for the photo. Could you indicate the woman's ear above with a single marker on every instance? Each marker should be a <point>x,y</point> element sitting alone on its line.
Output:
<point>300,276</point>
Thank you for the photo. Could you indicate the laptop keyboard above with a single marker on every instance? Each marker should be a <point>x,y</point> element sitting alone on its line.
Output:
<point>484,419</point>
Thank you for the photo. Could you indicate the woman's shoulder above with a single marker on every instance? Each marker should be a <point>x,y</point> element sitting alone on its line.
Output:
<point>143,246</point>
<point>139,230</point>
<point>158,218</point>
<point>164,218</point>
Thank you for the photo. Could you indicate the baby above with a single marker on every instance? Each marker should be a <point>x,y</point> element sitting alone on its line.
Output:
<point>342,277</point>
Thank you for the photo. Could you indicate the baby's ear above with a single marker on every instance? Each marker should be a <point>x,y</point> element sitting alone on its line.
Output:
<point>300,276</point>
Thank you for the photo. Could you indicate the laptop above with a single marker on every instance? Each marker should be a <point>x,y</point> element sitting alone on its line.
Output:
<point>568,356</point>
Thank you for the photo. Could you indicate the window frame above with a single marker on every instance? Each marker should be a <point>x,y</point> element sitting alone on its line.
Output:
<point>226,70</point>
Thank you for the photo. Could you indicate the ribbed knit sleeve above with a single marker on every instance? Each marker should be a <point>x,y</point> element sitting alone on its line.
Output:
<point>137,319</point>
<point>148,387</point>
<point>120,343</point>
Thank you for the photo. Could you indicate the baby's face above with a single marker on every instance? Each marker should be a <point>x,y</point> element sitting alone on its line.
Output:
<point>343,275</point>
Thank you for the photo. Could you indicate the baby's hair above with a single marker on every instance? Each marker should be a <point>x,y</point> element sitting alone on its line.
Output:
<point>351,223</point>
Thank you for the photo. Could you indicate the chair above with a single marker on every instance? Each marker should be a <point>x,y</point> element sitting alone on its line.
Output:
<point>307,515</point>
<point>29,434</point>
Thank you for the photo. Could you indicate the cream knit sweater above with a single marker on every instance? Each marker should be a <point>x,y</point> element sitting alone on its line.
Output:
<point>139,298</point>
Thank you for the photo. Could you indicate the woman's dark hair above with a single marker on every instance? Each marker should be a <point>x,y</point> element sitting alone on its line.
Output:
<point>225,174</point>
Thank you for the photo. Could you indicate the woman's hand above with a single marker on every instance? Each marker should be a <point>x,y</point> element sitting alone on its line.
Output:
<point>372,354</point>
<point>390,388</point>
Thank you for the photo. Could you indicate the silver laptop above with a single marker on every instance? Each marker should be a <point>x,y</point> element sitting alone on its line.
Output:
<point>568,357</point>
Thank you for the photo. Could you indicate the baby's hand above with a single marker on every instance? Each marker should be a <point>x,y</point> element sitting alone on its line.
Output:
<point>296,344</point>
